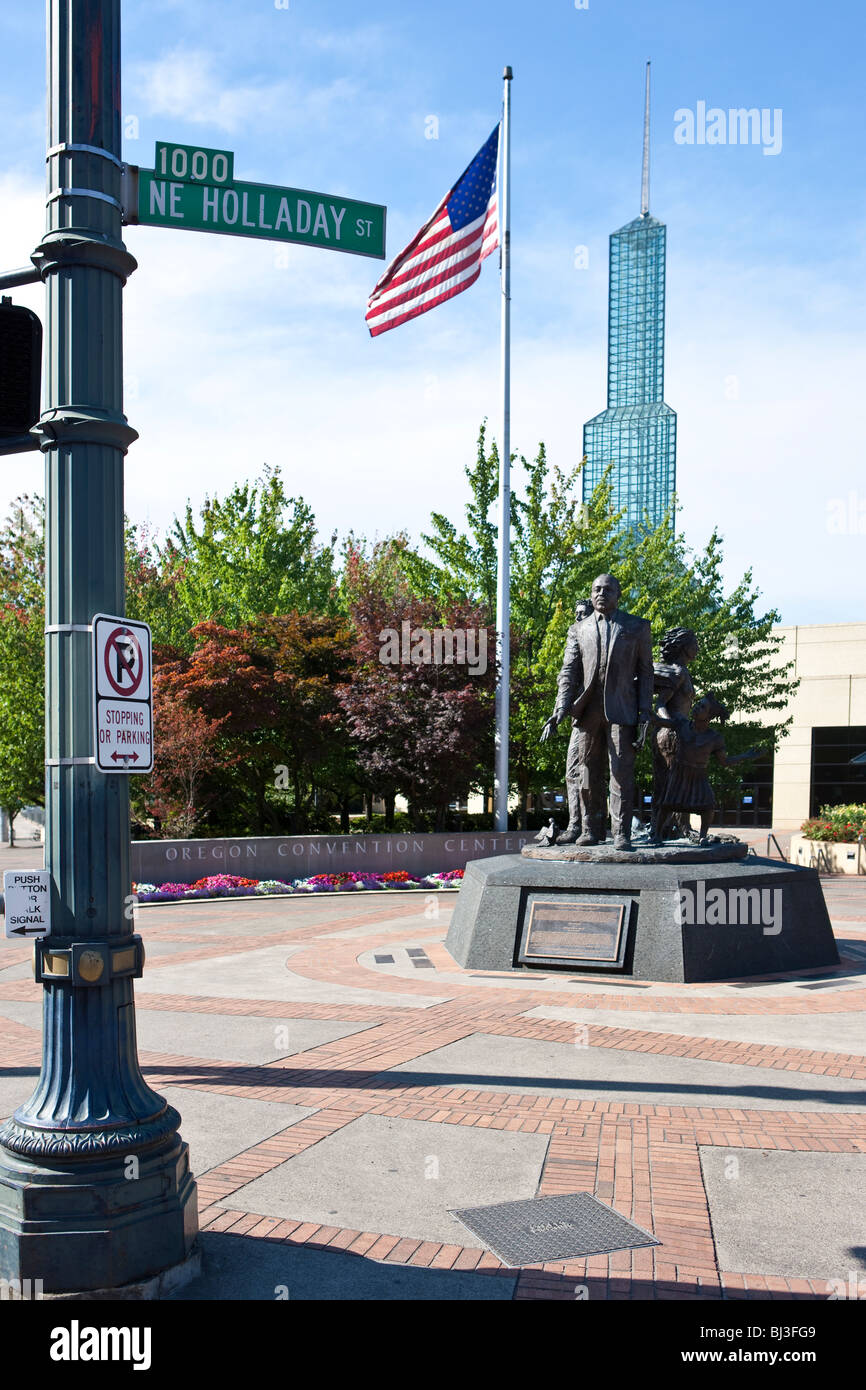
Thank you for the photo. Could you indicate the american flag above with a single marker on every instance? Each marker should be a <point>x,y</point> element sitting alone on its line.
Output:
<point>444,258</point>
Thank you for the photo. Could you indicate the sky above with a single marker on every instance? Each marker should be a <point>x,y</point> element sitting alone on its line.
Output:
<point>241,353</point>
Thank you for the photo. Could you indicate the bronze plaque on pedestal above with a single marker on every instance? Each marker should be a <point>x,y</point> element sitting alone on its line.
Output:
<point>575,933</point>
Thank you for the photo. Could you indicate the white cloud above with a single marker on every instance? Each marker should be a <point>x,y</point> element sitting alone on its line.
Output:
<point>193,85</point>
<point>186,84</point>
<point>232,362</point>
<point>366,41</point>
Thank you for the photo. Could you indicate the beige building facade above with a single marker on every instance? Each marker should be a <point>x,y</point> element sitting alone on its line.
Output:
<point>812,764</point>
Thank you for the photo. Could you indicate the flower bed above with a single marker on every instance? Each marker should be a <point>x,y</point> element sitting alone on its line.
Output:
<point>836,824</point>
<point>829,842</point>
<point>230,886</point>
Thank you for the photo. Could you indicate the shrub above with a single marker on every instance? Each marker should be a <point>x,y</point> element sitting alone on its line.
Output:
<point>376,826</point>
<point>840,823</point>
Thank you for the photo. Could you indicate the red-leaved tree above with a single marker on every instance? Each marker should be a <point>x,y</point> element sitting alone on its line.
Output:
<point>264,699</point>
<point>422,725</point>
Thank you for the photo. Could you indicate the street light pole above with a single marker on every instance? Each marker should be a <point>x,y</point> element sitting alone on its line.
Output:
<point>95,1187</point>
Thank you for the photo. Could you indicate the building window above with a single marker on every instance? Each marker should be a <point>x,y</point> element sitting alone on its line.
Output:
<point>834,781</point>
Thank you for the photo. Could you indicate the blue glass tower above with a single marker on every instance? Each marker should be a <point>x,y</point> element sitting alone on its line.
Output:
<point>637,432</point>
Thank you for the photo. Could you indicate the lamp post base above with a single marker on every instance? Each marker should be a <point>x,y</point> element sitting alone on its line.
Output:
<point>97,1224</point>
<point>159,1286</point>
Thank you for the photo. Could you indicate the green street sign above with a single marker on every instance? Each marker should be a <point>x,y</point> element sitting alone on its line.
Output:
<point>249,209</point>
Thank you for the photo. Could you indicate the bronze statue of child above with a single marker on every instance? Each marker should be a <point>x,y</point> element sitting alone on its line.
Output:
<point>676,694</point>
<point>687,788</point>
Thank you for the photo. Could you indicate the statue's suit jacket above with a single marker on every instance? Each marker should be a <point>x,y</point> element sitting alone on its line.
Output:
<point>628,685</point>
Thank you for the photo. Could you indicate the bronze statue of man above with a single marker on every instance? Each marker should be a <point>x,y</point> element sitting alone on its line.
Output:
<point>583,609</point>
<point>606,685</point>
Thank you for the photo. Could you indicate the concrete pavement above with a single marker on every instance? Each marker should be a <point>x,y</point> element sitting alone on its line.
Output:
<point>344,1086</point>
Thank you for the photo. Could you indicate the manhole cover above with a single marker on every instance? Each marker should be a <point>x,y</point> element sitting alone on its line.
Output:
<point>552,1228</point>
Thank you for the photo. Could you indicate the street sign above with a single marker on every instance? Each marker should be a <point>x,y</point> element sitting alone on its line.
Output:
<point>122,705</point>
<point>216,202</point>
<point>27,899</point>
<point>193,164</point>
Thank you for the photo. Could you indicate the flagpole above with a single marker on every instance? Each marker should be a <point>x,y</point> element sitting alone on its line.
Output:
<point>503,580</point>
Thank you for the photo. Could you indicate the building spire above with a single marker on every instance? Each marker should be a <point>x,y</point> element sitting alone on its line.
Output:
<point>644,187</point>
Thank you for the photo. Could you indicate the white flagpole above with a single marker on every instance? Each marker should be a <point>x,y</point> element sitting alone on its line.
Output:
<point>503,591</point>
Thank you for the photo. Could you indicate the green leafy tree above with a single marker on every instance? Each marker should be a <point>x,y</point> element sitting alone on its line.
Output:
<point>22,554</point>
<point>22,694</point>
<point>559,545</point>
<point>151,589</point>
<point>738,654</point>
<point>22,657</point>
<point>255,551</point>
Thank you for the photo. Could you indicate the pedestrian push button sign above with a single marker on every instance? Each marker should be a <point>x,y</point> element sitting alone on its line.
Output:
<point>123,714</point>
<point>27,895</point>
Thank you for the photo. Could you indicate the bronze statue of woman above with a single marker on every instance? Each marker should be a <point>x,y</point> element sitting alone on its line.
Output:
<point>676,693</point>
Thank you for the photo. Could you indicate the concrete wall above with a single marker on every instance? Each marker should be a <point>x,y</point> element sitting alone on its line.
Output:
<point>299,856</point>
<point>828,856</point>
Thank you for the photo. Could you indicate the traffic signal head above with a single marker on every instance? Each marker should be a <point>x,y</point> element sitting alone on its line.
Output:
<point>20,368</point>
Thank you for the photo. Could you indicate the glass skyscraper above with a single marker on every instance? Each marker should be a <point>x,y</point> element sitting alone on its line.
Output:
<point>637,433</point>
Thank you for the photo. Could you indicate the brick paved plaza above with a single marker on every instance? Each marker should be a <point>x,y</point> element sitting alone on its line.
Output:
<point>343,1085</point>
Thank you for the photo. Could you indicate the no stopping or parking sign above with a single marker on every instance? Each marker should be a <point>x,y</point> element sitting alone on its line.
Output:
<point>122,703</point>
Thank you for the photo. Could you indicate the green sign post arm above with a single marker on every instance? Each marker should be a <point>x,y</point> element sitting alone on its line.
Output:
<point>95,1188</point>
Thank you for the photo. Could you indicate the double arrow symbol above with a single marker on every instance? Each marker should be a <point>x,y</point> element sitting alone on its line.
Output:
<point>125,757</point>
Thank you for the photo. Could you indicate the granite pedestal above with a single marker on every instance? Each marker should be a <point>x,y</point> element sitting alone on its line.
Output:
<point>686,920</point>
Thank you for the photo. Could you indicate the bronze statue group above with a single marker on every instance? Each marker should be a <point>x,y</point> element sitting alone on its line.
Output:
<point>606,686</point>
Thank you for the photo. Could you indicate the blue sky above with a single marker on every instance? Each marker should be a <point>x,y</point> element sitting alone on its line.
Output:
<point>238,353</point>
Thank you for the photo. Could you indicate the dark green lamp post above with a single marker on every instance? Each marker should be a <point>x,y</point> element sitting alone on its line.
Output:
<point>95,1187</point>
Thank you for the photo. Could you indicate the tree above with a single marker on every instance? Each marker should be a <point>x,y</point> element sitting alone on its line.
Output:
<point>268,691</point>
<point>22,657</point>
<point>423,724</point>
<point>22,704</point>
<point>22,554</point>
<point>559,545</point>
<point>664,581</point>
<point>152,589</point>
<point>186,755</point>
<point>254,552</point>
<point>313,657</point>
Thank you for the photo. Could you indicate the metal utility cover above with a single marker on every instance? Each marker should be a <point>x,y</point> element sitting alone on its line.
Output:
<point>552,1228</point>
